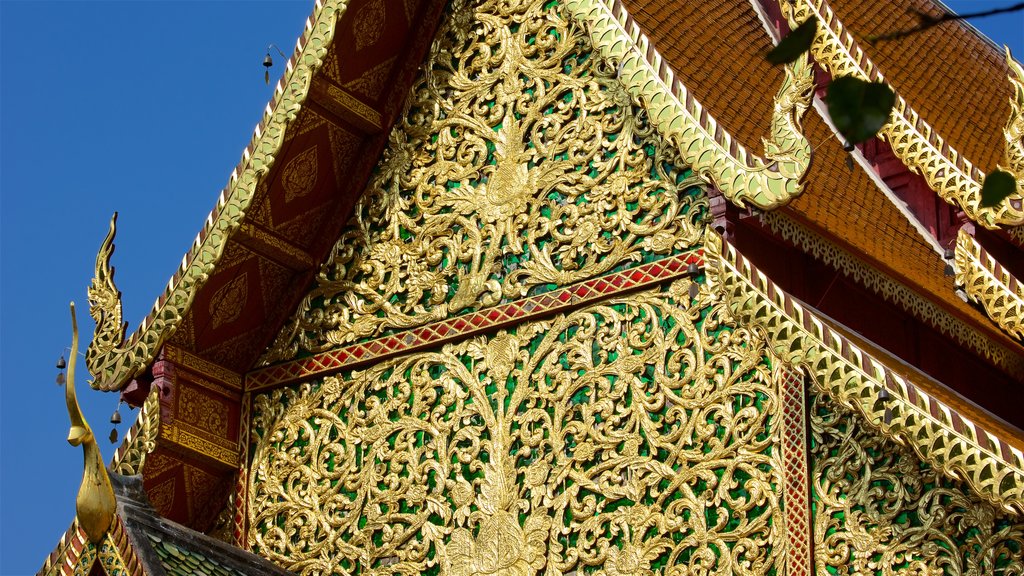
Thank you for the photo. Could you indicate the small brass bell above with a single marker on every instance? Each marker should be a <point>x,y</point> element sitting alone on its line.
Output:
<point>115,418</point>
<point>692,269</point>
<point>268,61</point>
<point>61,364</point>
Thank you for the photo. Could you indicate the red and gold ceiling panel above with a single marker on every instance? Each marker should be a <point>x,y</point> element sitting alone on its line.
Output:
<point>301,204</point>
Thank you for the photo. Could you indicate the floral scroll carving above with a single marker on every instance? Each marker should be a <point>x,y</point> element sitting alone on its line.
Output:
<point>521,163</point>
<point>633,436</point>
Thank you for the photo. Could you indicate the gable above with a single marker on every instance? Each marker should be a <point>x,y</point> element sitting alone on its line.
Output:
<point>520,165</point>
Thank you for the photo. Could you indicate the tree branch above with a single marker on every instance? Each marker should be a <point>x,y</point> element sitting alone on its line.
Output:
<point>928,21</point>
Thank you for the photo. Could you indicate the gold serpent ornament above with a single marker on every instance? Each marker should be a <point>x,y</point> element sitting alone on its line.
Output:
<point>114,359</point>
<point>635,436</point>
<point>768,182</point>
<point>986,282</point>
<point>520,164</point>
<point>913,141</point>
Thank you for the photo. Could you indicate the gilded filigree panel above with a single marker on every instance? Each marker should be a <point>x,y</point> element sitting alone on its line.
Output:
<point>631,437</point>
<point>520,164</point>
<point>880,510</point>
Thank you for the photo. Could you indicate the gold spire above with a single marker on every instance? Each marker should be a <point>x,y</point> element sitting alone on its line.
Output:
<point>95,503</point>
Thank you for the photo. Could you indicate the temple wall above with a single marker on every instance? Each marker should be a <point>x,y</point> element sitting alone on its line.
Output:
<point>520,165</point>
<point>644,430</point>
<point>637,435</point>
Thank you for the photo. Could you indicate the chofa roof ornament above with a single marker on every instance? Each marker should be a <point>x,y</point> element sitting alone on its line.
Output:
<point>95,504</point>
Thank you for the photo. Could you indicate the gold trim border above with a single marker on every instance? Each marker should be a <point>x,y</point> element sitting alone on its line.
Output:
<point>987,283</point>
<point>938,433</point>
<point>893,291</point>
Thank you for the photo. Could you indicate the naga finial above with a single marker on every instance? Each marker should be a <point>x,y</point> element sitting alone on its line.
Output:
<point>1014,130</point>
<point>95,503</point>
<point>105,308</point>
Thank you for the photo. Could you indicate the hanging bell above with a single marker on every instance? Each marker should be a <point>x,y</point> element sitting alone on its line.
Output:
<point>60,379</point>
<point>113,435</point>
<point>61,364</point>
<point>268,61</point>
<point>692,269</point>
<point>115,418</point>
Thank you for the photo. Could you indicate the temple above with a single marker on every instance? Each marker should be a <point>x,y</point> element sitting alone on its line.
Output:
<point>584,287</point>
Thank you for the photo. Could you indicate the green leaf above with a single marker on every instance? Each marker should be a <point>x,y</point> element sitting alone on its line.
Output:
<point>794,44</point>
<point>858,108</point>
<point>997,186</point>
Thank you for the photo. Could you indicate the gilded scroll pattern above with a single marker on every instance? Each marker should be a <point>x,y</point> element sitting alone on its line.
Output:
<point>114,359</point>
<point>880,510</point>
<point>913,141</point>
<point>989,284</point>
<point>768,182</point>
<point>520,164</point>
<point>633,437</point>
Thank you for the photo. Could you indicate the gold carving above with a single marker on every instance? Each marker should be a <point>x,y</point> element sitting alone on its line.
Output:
<point>95,503</point>
<point>741,176</point>
<point>114,360</point>
<point>203,412</point>
<point>227,303</point>
<point>855,379</point>
<point>299,176</point>
<point>880,510</point>
<point>354,105</point>
<point>986,282</point>
<point>369,24</point>
<point>913,141</point>
<point>161,496</point>
<point>140,440</point>
<point>372,81</point>
<point>504,177</point>
<point>204,367</point>
<point>197,442</point>
<point>640,432</point>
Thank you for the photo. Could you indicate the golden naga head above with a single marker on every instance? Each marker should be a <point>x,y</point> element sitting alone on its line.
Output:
<point>95,504</point>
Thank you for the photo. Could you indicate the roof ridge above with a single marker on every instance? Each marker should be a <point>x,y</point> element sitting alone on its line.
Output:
<point>113,359</point>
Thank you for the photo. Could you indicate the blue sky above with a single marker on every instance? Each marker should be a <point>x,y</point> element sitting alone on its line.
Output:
<point>139,107</point>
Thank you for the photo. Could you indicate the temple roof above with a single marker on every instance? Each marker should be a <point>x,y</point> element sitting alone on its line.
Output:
<point>954,77</point>
<point>150,545</point>
<point>849,206</point>
<point>330,118</point>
